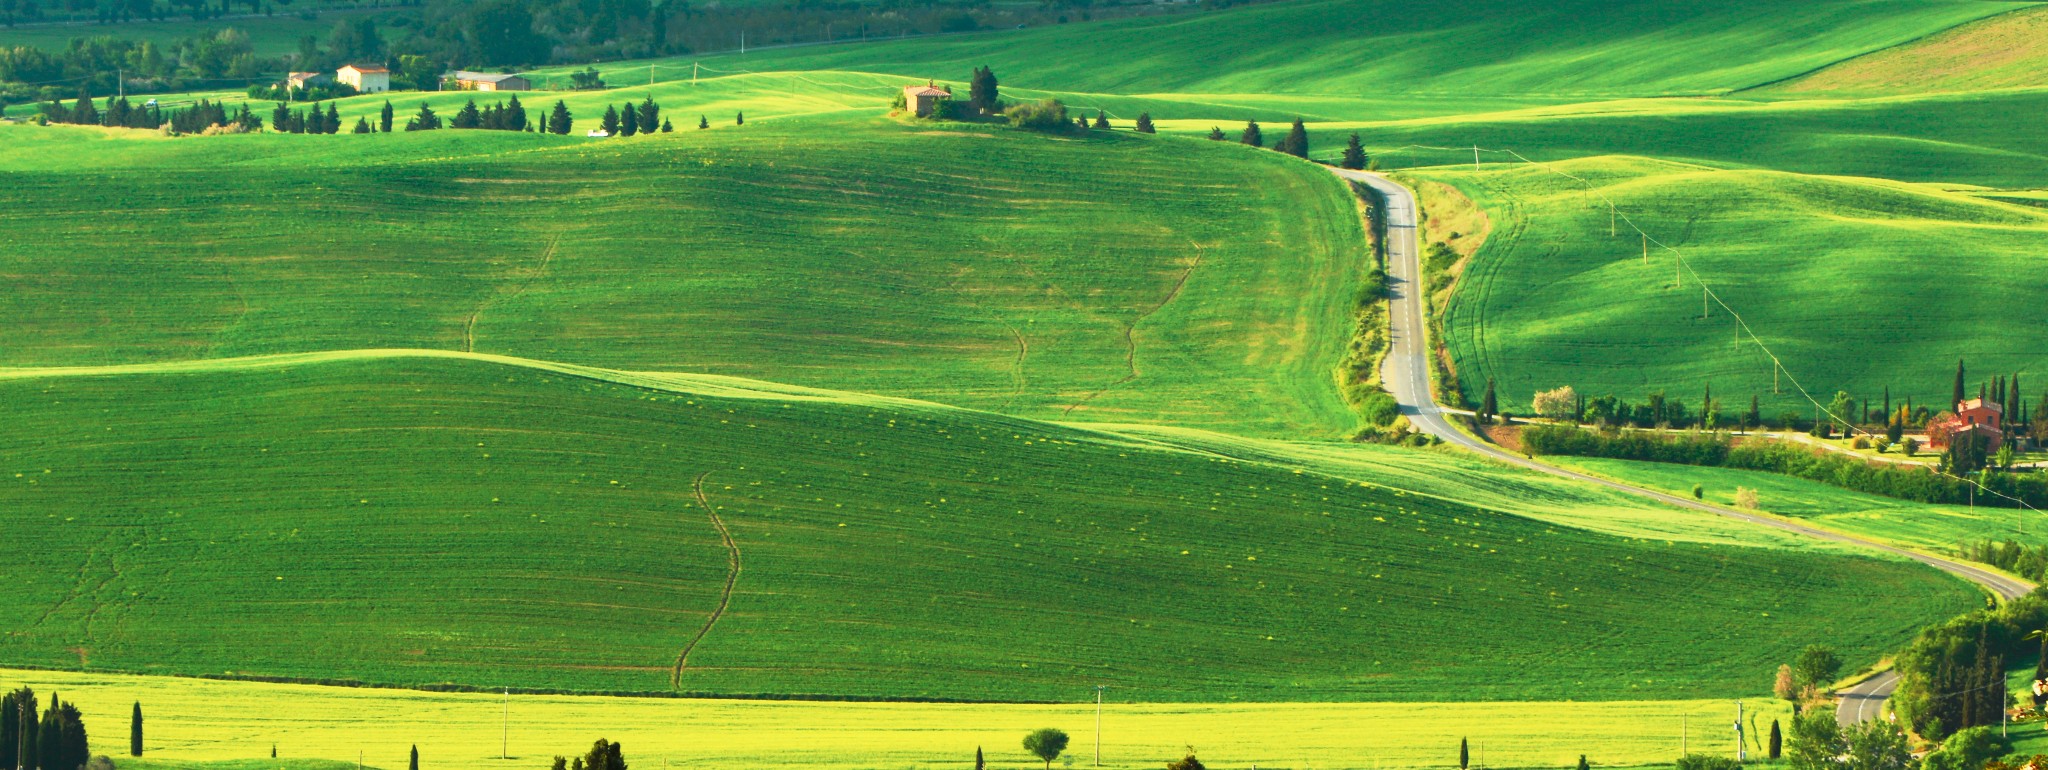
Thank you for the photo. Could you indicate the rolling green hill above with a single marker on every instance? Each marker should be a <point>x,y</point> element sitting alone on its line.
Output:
<point>2005,51</point>
<point>414,518</point>
<point>1849,280</point>
<point>1351,47</point>
<point>1121,277</point>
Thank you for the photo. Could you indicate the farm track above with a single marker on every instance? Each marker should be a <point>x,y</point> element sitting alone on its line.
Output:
<point>1131,331</point>
<point>732,577</point>
<point>547,255</point>
<point>1406,373</point>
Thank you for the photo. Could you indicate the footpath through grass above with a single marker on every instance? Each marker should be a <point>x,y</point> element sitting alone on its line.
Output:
<point>414,520</point>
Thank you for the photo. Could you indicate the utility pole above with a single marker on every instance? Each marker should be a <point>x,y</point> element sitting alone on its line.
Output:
<point>1611,232</point>
<point>505,728</point>
<point>1475,157</point>
<point>1098,723</point>
<point>1741,751</point>
<point>1646,248</point>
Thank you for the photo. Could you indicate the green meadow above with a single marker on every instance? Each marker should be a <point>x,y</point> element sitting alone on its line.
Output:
<point>1843,278</point>
<point>413,519</point>
<point>975,266</point>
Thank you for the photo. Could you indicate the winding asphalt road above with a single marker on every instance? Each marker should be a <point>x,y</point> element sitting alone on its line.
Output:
<point>1406,374</point>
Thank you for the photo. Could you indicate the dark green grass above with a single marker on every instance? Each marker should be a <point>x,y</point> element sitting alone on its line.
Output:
<point>1351,47</point>
<point>411,521</point>
<point>1851,282</point>
<point>1983,139</point>
<point>274,35</point>
<point>1119,277</point>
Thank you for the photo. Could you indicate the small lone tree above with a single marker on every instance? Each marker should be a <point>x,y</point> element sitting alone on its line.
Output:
<point>1776,746</point>
<point>1101,119</point>
<point>559,119</point>
<point>1296,142</point>
<point>384,117</point>
<point>1354,154</point>
<point>1144,125</point>
<point>1488,407</point>
<point>1464,754</point>
<point>739,119</point>
<point>414,762</point>
<point>703,122</point>
<point>1251,135</point>
<point>1817,666</point>
<point>1216,134</point>
<point>135,731</point>
<point>362,125</point>
<point>1046,743</point>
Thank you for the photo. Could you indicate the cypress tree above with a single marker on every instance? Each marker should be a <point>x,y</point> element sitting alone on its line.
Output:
<point>1144,125</point>
<point>629,120</point>
<point>1101,119</point>
<point>1081,122</point>
<point>135,729</point>
<point>1251,135</point>
<point>1755,418</point>
<point>1487,405</point>
<point>982,95</point>
<point>414,763</point>
<point>1464,755</point>
<point>362,125</point>
<point>467,117</point>
<point>384,117</point>
<point>426,120</point>
<point>559,119</point>
<point>1777,744</point>
<point>739,119</point>
<point>650,115</point>
<point>1959,382</point>
<point>333,119</point>
<point>1296,143</point>
<point>1354,154</point>
<point>703,122</point>
<point>1583,765</point>
<point>667,127</point>
<point>281,118</point>
<point>978,763</point>
<point>515,115</point>
<point>17,725</point>
<point>1216,134</point>
<point>610,123</point>
<point>85,114</point>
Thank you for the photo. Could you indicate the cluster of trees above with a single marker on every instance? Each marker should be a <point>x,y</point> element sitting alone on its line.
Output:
<point>628,119</point>
<point>1952,676</point>
<point>603,755</point>
<point>311,93</point>
<point>1846,471</point>
<point>312,120</point>
<point>2030,562</point>
<point>500,116</point>
<point>56,742</point>
<point>95,64</point>
<point>1818,742</point>
<point>1295,143</point>
<point>1808,677</point>
<point>120,113</point>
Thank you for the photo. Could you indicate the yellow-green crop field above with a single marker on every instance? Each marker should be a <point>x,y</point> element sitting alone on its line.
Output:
<point>192,721</point>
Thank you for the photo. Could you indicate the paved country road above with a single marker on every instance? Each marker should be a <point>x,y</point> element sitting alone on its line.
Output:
<point>1406,374</point>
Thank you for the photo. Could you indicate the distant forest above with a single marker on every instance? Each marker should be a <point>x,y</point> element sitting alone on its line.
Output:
<point>426,37</point>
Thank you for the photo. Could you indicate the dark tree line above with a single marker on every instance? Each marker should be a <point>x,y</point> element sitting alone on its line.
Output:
<point>57,741</point>
<point>628,119</point>
<point>121,113</point>
<point>500,116</point>
<point>603,755</point>
<point>1952,676</point>
<point>312,120</point>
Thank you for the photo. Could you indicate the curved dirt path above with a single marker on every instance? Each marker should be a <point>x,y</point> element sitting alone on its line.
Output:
<point>1406,373</point>
<point>732,578</point>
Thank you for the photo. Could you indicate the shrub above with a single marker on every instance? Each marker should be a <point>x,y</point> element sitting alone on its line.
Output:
<point>1860,442</point>
<point>1745,498</point>
<point>1967,750</point>
<point>1707,762</point>
<point>1557,404</point>
<point>1379,409</point>
<point>1048,115</point>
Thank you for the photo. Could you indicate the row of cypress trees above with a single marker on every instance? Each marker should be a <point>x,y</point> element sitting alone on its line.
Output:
<point>56,742</point>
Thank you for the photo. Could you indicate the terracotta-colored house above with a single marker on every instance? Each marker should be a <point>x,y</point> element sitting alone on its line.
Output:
<point>1975,416</point>
<point>921,100</point>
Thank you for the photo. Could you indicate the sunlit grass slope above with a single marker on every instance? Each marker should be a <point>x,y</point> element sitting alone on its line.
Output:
<point>1983,139</point>
<point>190,728</point>
<point>2004,51</point>
<point>1936,528</point>
<point>1118,277</point>
<point>1584,47</point>
<point>422,519</point>
<point>1852,282</point>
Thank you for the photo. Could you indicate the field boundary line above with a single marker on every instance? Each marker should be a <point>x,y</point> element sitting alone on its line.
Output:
<point>732,578</point>
<point>547,256</point>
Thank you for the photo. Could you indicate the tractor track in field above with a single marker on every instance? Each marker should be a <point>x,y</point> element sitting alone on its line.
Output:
<point>732,579</point>
<point>1131,333</point>
<point>547,255</point>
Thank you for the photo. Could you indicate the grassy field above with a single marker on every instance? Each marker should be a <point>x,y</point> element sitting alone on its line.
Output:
<point>2004,51</point>
<point>422,519</point>
<point>1121,277</point>
<point>1935,528</point>
<point>1839,276</point>
<point>1333,47</point>
<point>209,725</point>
